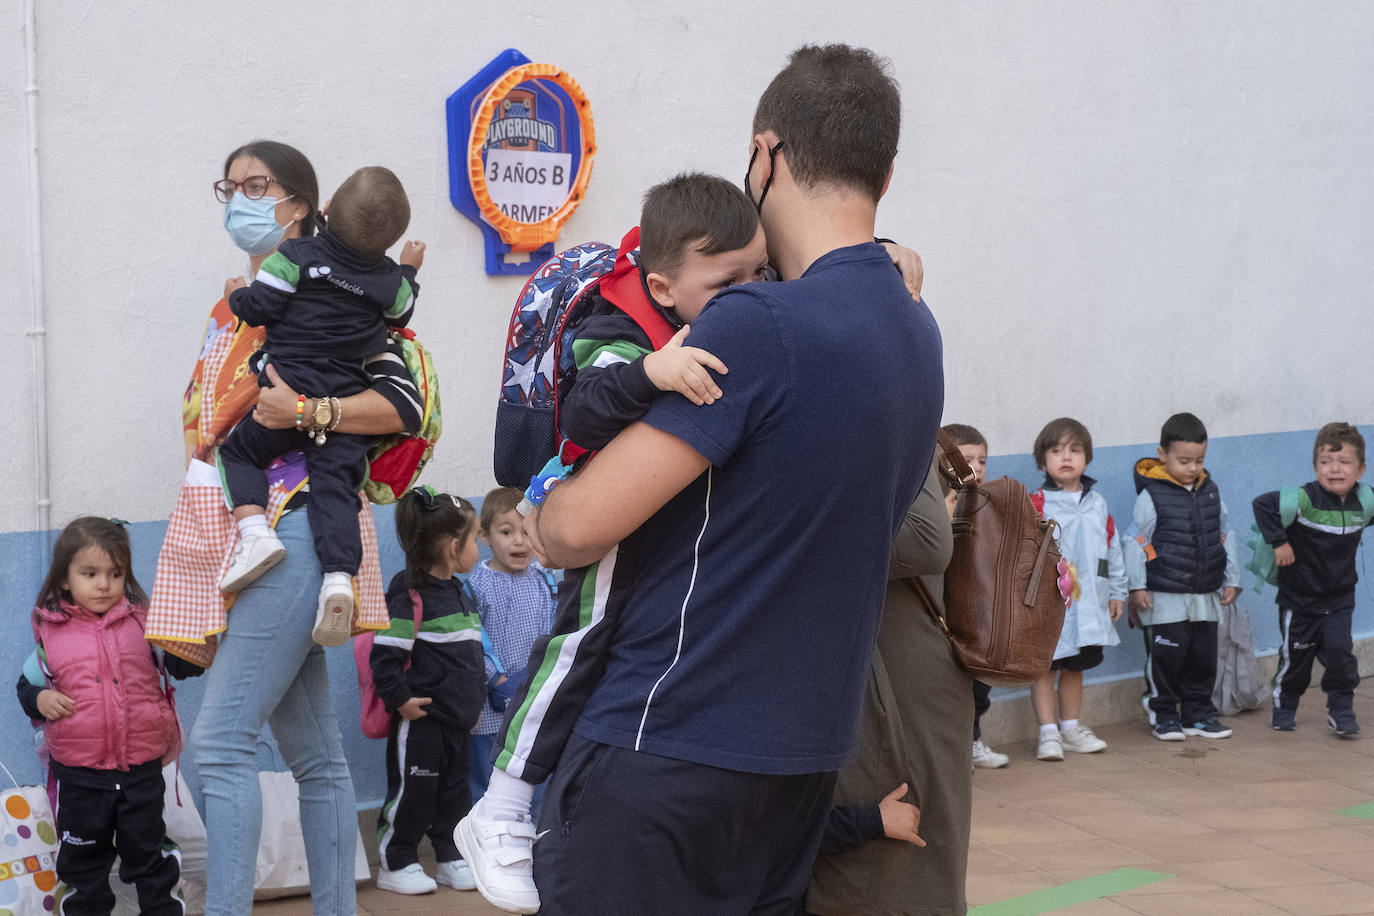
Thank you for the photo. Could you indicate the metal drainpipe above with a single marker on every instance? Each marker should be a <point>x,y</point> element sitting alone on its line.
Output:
<point>38,332</point>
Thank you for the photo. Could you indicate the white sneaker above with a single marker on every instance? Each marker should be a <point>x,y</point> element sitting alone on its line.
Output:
<point>409,880</point>
<point>254,554</point>
<point>334,616</point>
<point>1080,738</point>
<point>456,875</point>
<point>1051,748</point>
<point>987,758</point>
<point>501,856</point>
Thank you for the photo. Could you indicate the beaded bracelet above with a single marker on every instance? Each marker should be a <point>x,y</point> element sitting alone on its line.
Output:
<point>300,411</point>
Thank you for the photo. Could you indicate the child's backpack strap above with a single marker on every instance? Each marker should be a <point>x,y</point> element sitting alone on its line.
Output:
<point>1366,497</point>
<point>1292,502</point>
<point>623,287</point>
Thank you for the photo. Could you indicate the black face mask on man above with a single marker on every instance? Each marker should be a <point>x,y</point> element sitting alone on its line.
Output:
<point>772,153</point>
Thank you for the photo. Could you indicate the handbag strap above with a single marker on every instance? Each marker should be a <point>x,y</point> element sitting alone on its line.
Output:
<point>954,468</point>
<point>918,585</point>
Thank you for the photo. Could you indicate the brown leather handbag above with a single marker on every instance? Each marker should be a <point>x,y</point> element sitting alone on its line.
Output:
<point>1006,583</point>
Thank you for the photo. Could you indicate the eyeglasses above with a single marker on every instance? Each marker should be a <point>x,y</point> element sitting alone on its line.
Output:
<point>254,187</point>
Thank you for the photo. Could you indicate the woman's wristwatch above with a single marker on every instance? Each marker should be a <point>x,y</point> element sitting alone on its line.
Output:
<point>324,418</point>
<point>323,414</point>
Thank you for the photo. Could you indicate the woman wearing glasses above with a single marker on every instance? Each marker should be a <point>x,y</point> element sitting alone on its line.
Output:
<point>266,667</point>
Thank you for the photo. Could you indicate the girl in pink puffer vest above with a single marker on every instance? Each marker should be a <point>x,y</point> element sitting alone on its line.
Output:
<point>108,724</point>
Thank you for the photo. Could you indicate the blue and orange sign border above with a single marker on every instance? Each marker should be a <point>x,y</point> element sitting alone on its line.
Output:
<point>471,110</point>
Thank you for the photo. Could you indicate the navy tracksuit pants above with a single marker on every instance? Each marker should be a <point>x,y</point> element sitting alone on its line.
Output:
<point>982,702</point>
<point>97,824</point>
<point>1181,670</point>
<point>1322,637</point>
<point>426,791</point>
<point>336,472</point>
<point>564,668</point>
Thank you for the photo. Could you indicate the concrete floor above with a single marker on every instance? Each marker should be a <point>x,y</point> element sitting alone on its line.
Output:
<point>1249,824</point>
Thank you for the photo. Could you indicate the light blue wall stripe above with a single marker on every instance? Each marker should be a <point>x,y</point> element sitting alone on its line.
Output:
<point>1243,466</point>
<point>21,572</point>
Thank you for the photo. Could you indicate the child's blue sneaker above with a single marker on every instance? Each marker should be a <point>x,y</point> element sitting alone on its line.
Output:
<point>1285,720</point>
<point>1343,723</point>
<point>1168,729</point>
<point>1208,728</point>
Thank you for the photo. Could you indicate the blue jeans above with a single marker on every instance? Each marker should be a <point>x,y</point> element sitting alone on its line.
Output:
<point>268,670</point>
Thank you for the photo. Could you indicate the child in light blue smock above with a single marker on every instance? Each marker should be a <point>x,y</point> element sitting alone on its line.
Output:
<point>1089,541</point>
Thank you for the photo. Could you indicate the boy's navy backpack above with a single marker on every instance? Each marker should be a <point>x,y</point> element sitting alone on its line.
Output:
<point>539,353</point>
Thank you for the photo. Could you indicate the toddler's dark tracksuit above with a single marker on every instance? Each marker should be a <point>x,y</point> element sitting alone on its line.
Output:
<point>427,758</point>
<point>1316,596</point>
<point>326,310</point>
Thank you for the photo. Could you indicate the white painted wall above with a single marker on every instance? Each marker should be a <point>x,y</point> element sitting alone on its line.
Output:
<point>1126,209</point>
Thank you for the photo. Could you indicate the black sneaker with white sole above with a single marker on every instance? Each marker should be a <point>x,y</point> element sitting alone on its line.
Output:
<point>1208,728</point>
<point>1169,730</point>
<point>1343,723</point>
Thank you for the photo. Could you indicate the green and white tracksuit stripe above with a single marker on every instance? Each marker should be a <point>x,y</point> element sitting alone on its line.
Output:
<point>571,658</point>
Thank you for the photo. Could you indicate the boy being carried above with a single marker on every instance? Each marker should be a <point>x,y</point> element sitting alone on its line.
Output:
<point>1182,567</point>
<point>326,303</point>
<point>698,235</point>
<point>1315,555</point>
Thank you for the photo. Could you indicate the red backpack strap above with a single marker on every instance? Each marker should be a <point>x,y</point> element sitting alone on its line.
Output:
<point>624,289</point>
<point>1111,528</point>
<point>1037,499</point>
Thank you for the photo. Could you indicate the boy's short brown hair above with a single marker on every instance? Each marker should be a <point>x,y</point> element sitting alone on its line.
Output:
<point>1335,436</point>
<point>502,499</point>
<point>370,212</point>
<point>962,434</point>
<point>689,209</point>
<point>1055,432</point>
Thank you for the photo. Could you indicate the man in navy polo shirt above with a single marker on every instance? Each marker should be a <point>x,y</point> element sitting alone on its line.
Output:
<point>754,536</point>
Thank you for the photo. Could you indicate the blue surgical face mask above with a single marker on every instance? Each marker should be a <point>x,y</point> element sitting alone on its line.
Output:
<point>252,224</point>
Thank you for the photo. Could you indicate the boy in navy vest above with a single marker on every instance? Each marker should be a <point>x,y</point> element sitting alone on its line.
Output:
<point>1182,568</point>
<point>1315,553</point>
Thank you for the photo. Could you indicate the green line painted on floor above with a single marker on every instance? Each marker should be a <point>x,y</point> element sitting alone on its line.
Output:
<point>1075,892</point>
<point>1365,811</point>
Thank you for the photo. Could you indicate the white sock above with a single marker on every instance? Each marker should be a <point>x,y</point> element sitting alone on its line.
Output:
<point>506,798</point>
<point>251,523</point>
<point>1068,725</point>
<point>1047,730</point>
<point>339,578</point>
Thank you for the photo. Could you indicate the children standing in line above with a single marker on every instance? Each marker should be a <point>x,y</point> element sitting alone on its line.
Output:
<point>974,448</point>
<point>436,698</point>
<point>326,303</point>
<point>515,601</point>
<point>1182,568</point>
<point>1089,541</point>
<point>110,728</point>
<point>1314,531</point>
